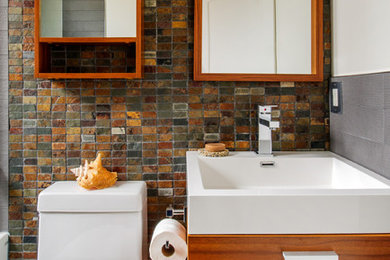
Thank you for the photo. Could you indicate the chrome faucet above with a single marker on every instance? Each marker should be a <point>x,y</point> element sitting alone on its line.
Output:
<point>265,130</point>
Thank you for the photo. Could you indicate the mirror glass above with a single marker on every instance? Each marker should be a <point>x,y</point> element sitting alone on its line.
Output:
<point>88,18</point>
<point>256,36</point>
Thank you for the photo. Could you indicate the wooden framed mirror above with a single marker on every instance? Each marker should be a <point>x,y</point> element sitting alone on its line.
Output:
<point>258,40</point>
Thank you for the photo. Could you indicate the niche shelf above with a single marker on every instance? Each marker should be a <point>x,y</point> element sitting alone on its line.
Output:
<point>89,57</point>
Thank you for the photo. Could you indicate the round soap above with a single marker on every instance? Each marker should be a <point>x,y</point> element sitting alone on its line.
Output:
<point>215,147</point>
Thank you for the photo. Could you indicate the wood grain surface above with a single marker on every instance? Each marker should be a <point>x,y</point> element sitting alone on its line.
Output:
<point>270,247</point>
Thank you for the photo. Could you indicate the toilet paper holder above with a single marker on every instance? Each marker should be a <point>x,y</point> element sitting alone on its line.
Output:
<point>170,212</point>
<point>169,240</point>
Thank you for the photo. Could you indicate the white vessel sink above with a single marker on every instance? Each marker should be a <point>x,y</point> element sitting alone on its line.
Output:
<point>303,193</point>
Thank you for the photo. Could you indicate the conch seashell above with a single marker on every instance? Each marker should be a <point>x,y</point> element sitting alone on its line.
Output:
<point>93,176</point>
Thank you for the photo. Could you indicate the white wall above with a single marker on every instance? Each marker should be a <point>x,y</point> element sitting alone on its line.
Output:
<point>361,36</point>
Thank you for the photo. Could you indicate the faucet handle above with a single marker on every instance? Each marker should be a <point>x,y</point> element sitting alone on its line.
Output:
<point>266,109</point>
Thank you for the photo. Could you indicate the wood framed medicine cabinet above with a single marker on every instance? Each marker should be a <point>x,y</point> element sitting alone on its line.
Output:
<point>60,33</point>
<point>258,40</point>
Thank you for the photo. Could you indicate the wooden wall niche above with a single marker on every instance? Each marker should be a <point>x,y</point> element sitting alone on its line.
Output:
<point>258,27</point>
<point>109,56</point>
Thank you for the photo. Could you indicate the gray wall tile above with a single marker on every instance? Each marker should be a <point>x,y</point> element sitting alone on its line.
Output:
<point>357,149</point>
<point>362,132</point>
<point>386,161</point>
<point>387,89</point>
<point>3,3</point>
<point>365,90</point>
<point>366,122</point>
<point>3,44</point>
<point>4,115</point>
<point>387,126</point>
<point>3,68</point>
<point>3,218</point>
<point>3,18</point>
<point>3,194</point>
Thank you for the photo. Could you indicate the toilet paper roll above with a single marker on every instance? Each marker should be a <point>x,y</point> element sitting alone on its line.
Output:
<point>172,231</point>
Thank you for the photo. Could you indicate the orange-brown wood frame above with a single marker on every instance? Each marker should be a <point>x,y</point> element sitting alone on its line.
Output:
<point>270,247</point>
<point>316,51</point>
<point>42,53</point>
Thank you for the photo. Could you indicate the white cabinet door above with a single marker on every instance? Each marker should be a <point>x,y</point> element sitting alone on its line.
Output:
<point>238,36</point>
<point>51,18</point>
<point>293,36</point>
<point>120,18</point>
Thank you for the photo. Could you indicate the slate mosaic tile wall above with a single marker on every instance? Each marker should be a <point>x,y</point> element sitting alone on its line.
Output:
<point>143,127</point>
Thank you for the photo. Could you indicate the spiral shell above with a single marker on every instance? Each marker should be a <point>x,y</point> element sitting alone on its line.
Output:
<point>93,176</point>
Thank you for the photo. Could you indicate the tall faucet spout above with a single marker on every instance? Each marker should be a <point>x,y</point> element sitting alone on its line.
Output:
<point>266,125</point>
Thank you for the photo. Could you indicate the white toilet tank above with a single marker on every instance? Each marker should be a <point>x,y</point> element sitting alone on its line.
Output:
<point>109,224</point>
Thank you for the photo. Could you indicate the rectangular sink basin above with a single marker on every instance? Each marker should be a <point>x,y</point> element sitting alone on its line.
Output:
<point>290,193</point>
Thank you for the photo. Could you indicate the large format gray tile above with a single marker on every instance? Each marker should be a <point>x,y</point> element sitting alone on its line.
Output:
<point>3,45</point>
<point>335,120</point>
<point>3,173</point>
<point>4,115</point>
<point>3,3</point>
<point>3,194</point>
<point>4,94</point>
<point>3,218</point>
<point>4,170</point>
<point>387,89</point>
<point>4,118</point>
<point>363,128</point>
<point>365,122</point>
<point>3,69</point>
<point>362,151</point>
<point>3,18</point>
<point>364,90</point>
<point>386,120</point>
<point>386,163</point>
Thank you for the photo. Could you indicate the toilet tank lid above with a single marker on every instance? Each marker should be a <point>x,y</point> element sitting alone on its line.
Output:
<point>3,238</point>
<point>124,196</point>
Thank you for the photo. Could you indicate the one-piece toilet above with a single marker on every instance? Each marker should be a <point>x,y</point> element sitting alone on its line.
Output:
<point>107,224</point>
